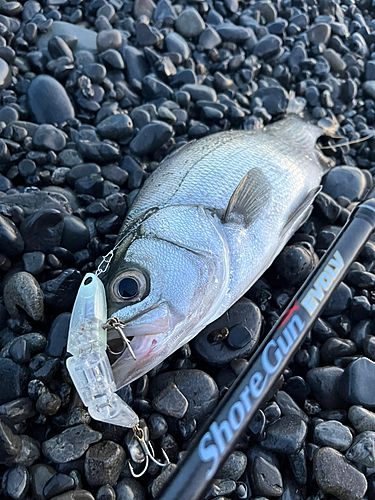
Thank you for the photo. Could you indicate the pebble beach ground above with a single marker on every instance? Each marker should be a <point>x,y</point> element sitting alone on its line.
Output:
<point>93,95</point>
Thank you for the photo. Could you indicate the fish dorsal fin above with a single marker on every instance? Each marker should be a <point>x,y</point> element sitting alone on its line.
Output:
<point>249,198</point>
<point>300,214</point>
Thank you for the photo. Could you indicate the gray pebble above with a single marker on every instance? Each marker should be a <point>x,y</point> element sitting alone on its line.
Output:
<point>233,467</point>
<point>130,489</point>
<point>362,419</point>
<point>103,463</point>
<point>267,478</point>
<point>70,444</point>
<point>23,290</point>
<point>159,482</point>
<point>40,474</point>
<point>336,476</point>
<point>333,434</point>
<point>17,482</point>
<point>362,450</point>
<point>286,435</point>
<point>189,23</point>
<point>171,402</point>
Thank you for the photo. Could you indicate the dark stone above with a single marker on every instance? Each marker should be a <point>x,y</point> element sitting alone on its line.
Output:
<point>108,39</point>
<point>60,292</point>
<point>200,92</point>
<point>267,46</point>
<point>339,301</point>
<point>157,426</point>
<point>233,33</point>
<point>235,334</point>
<point>274,99</point>
<point>59,483</point>
<point>189,23</point>
<point>319,33</point>
<point>103,463</point>
<point>150,138</point>
<point>285,435</point>
<point>10,445</point>
<point>350,182</point>
<point>233,467</point>
<point>130,489</point>
<point>5,75</point>
<point>333,434</point>
<point>175,43</point>
<point>116,127</point>
<point>11,242</point>
<point>43,230</point>
<point>288,406</point>
<point>75,235</point>
<point>48,404</point>
<point>48,101</point>
<point>200,403</point>
<point>336,476</point>
<point>362,450</point>
<point>171,402</point>
<point>335,348</point>
<point>34,262</point>
<point>295,263</point>
<point>40,474</point>
<point>13,380</point>
<point>362,419</point>
<point>267,478</point>
<point>70,444</point>
<point>324,384</point>
<point>18,410</point>
<point>355,384</point>
<point>58,335</point>
<point>17,482</point>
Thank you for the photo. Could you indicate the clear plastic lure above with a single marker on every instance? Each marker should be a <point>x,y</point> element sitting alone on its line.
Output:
<point>89,365</point>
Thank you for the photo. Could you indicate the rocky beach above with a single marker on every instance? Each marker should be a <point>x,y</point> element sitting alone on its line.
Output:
<point>93,95</point>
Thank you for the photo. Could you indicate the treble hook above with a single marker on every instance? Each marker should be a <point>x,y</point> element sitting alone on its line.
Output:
<point>119,325</point>
<point>148,451</point>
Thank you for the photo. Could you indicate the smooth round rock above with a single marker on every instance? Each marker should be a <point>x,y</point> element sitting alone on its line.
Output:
<point>5,74</point>
<point>242,322</point>
<point>324,384</point>
<point>362,450</point>
<point>319,33</point>
<point>116,127</point>
<point>333,434</point>
<point>11,242</point>
<point>75,235</point>
<point>233,467</point>
<point>17,482</point>
<point>338,477</point>
<point>48,101</point>
<point>350,182</point>
<point>286,435</point>
<point>267,478</point>
<point>60,292</point>
<point>189,23</point>
<point>58,335</point>
<point>171,402</point>
<point>40,474</point>
<point>58,484</point>
<point>150,138</point>
<point>356,384</point>
<point>48,137</point>
<point>267,46</point>
<point>43,230</point>
<point>13,380</point>
<point>130,489</point>
<point>274,99</point>
<point>295,263</point>
<point>200,403</point>
<point>362,419</point>
<point>108,39</point>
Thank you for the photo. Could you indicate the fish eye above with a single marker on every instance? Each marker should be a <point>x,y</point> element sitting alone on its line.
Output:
<point>130,286</point>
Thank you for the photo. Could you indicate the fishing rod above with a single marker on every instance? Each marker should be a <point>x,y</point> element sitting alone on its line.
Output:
<point>256,383</point>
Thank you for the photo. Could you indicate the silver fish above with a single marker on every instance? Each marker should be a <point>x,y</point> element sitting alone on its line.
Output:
<point>205,226</point>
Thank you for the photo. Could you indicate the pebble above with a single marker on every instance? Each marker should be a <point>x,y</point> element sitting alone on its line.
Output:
<point>333,434</point>
<point>34,262</point>
<point>17,482</point>
<point>130,489</point>
<point>176,43</point>
<point>235,334</point>
<point>324,382</point>
<point>150,138</point>
<point>200,403</point>
<point>189,23</point>
<point>350,182</point>
<point>295,263</point>
<point>48,404</point>
<point>233,467</point>
<point>106,492</point>
<point>103,463</point>
<point>274,99</point>
<point>42,231</point>
<point>267,46</point>
<point>362,419</point>
<point>171,402</point>
<point>48,137</point>
<point>58,484</point>
<point>355,383</point>
<point>48,100</point>
<point>70,444</point>
<point>60,292</point>
<point>5,75</point>
<point>200,92</point>
<point>158,483</point>
<point>58,335</point>
<point>209,38</point>
<point>40,474</point>
<point>22,290</point>
<point>336,476</point>
<point>75,235</point>
<point>108,39</point>
<point>267,478</point>
<point>116,127</point>
<point>286,435</point>
<point>320,33</point>
<point>11,242</point>
<point>362,450</point>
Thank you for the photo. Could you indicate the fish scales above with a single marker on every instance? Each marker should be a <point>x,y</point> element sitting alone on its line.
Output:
<point>206,224</point>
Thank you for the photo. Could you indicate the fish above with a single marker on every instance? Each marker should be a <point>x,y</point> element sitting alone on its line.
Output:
<point>204,227</point>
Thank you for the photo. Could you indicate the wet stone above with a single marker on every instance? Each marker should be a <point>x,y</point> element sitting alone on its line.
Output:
<point>189,23</point>
<point>285,435</point>
<point>58,335</point>
<point>48,101</point>
<point>40,474</point>
<point>18,410</point>
<point>288,406</point>
<point>34,262</point>
<point>274,99</point>
<point>108,39</point>
<point>362,419</point>
<point>60,292</point>
<point>150,138</point>
<point>336,476</point>
<point>339,301</point>
<point>19,351</point>
<point>70,444</point>
<point>103,463</point>
<point>59,483</point>
<point>43,230</point>
<point>171,402</point>
<point>23,291</point>
<point>201,403</point>
<point>116,127</point>
<point>234,334</point>
<point>49,137</point>
<point>233,467</point>
<point>267,46</point>
<point>130,489</point>
<point>267,478</point>
<point>333,434</point>
<point>11,242</point>
<point>350,182</point>
<point>157,426</point>
<point>355,384</point>
<point>17,482</point>
<point>362,450</point>
<point>5,75</point>
<point>320,33</point>
<point>335,348</point>
<point>106,492</point>
<point>324,385</point>
<point>48,404</point>
<point>75,234</point>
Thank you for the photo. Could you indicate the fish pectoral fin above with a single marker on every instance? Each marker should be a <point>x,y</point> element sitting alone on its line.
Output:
<point>249,198</point>
<point>300,214</point>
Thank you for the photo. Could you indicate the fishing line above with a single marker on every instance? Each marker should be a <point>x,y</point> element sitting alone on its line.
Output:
<point>349,143</point>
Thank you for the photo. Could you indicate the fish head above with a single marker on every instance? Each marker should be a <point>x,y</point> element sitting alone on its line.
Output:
<point>161,287</point>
